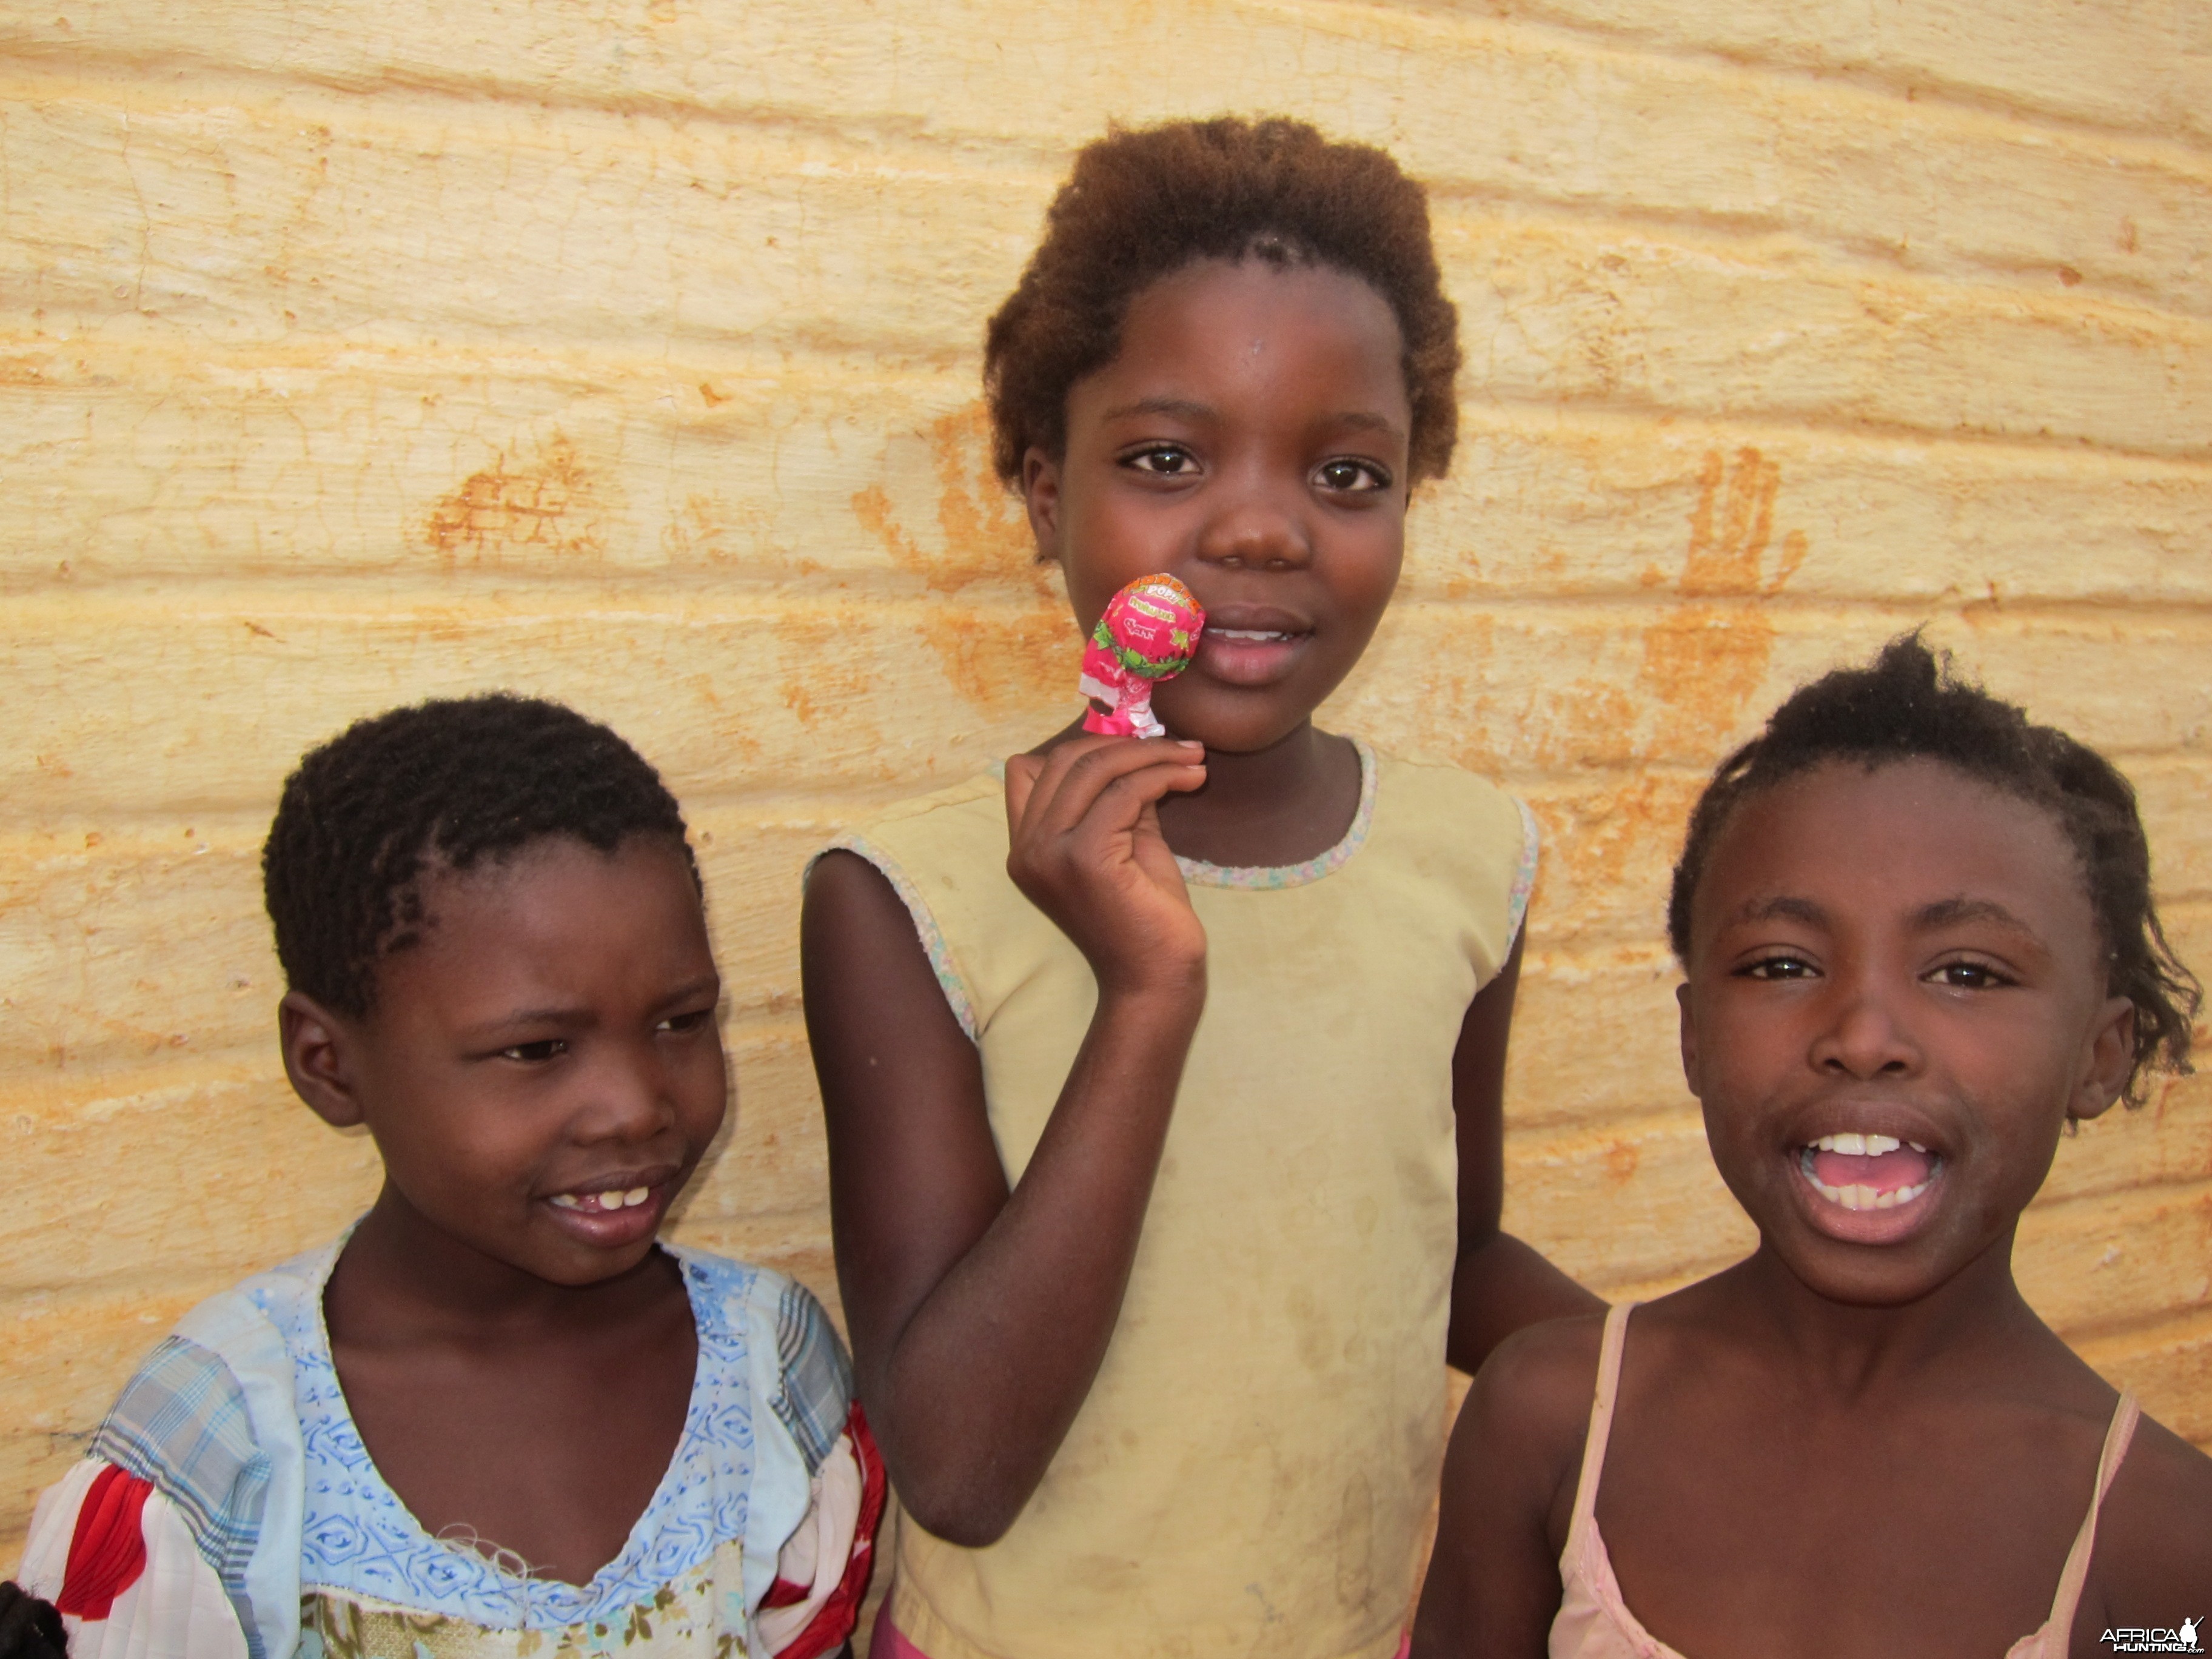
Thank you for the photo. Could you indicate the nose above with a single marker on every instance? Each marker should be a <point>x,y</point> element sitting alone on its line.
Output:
<point>1865,1035</point>
<point>627,1097</point>
<point>1256,524</point>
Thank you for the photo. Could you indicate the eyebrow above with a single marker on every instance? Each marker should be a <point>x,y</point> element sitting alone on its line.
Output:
<point>1365,421</point>
<point>557,1014</point>
<point>551,1014</point>
<point>1190,409</point>
<point>1783,907</point>
<point>1943,913</point>
<point>1948,912</point>
<point>1187,407</point>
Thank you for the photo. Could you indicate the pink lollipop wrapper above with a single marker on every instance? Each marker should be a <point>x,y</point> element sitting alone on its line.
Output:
<point>1149,632</point>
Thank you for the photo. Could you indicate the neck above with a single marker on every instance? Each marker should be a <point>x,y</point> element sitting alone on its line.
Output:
<point>1289,802</point>
<point>402,1278</point>
<point>1848,1352</point>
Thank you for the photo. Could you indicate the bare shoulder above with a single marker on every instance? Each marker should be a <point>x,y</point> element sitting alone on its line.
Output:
<point>2153,1538</point>
<point>1494,1583</point>
<point>1543,1375</point>
<point>1528,1407</point>
<point>841,883</point>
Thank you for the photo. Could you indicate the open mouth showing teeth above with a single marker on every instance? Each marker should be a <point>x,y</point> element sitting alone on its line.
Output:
<point>601,1203</point>
<point>1868,1172</point>
<point>1251,635</point>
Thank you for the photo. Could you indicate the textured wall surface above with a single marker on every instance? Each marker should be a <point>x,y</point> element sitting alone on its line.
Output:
<point>625,350</point>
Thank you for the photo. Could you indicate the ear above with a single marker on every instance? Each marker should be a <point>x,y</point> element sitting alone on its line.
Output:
<point>319,1048</point>
<point>2111,1056</point>
<point>1041,494</point>
<point>1689,1037</point>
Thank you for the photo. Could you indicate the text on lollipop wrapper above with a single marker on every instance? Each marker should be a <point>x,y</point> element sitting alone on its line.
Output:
<point>1149,632</point>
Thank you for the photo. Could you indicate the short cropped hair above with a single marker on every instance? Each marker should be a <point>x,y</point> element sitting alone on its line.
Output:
<point>1909,704</point>
<point>444,784</point>
<point>1143,203</point>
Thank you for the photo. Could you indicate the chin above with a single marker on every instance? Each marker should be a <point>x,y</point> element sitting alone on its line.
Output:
<point>1860,1275</point>
<point>1873,1291</point>
<point>575,1269</point>
<point>1225,728</point>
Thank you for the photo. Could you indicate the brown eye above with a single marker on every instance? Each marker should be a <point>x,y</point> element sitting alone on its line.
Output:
<point>1348,476</point>
<point>538,1053</point>
<point>1969,976</point>
<point>1776,967</point>
<point>1166,460</point>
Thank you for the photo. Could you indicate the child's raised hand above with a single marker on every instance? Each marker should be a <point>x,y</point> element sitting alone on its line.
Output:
<point>1086,849</point>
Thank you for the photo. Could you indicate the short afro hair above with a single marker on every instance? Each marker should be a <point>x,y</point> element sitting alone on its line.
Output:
<point>1908,704</point>
<point>445,783</point>
<point>1143,203</point>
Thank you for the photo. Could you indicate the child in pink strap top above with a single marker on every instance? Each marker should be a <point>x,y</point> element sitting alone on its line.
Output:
<point>1918,942</point>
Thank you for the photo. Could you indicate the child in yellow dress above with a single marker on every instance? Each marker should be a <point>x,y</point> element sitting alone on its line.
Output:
<point>1164,1076</point>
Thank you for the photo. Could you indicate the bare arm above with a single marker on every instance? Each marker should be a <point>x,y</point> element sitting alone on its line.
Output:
<point>1498,1284</point>
<point>2154,1555</point>
<point>979,1316</point>
<point>1493,1585</point>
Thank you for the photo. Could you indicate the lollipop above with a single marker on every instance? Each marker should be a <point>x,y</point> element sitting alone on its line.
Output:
<point>1149,629</point>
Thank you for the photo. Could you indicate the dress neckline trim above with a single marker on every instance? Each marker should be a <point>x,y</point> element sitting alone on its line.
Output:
<point>1201,873</point>
<point>500,1590</point>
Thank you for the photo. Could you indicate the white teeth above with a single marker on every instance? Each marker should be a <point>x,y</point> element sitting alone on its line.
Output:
<point>1917,1147</point>
<point>1859,1145</point>
<point>614,1199</point>
<point>1244,634</point>
<point>1858,1195</point>
<point>1861,1197</point>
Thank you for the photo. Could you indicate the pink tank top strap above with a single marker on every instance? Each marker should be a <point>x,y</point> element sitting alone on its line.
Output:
<point>1600,1427</point>
<point>2060,1629</point>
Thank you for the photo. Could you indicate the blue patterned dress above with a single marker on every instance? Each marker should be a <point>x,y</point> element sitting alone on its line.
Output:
<point>263,1531</point>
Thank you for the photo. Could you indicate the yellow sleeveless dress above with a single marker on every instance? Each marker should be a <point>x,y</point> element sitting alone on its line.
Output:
<point>1252,1468</point>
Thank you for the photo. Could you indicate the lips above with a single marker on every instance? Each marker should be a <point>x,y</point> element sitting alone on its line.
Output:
<point>613,1209</point>
<point>1250,645</point>
<point>1866,1186</point>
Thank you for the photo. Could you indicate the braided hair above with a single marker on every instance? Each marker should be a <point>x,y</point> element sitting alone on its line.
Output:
<point>442,784</point>
<point>1908,704</point>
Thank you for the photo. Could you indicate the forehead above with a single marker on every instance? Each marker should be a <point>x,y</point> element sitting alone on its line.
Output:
<point>1244,320</point>
<point>1889,842</point>
<point>554,901</point>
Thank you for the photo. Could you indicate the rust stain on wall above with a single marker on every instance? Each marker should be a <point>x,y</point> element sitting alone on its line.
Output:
<point>830,676</point>
<point>548,507</point>
<point>1703,662</point>
<point>1004,639</point>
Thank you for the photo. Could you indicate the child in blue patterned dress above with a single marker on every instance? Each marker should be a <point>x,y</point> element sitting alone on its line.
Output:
<point>498,1417</point>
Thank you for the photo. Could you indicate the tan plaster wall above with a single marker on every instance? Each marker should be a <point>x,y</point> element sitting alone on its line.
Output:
<point>352,351</point>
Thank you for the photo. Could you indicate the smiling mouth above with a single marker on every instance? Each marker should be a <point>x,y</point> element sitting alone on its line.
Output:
<point>1859,1171</point>
<point>606,1203</point>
